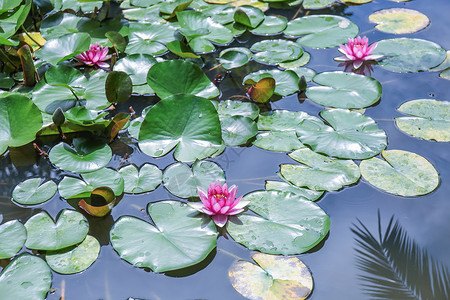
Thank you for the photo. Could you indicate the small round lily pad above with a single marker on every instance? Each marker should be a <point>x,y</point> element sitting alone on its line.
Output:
<point>32,191</point>
<point>399,20</point>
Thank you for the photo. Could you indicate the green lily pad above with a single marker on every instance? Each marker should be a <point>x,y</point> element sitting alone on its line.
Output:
<point>183,181</point>
<point>31,191</point>
<point>118,87</point>
<point>306,72</point>
<point>236,57</point>
<point>344,90</point>
<point>149,38</point>
<point>401,173</point>
<point>237,130</point>
<point>276,51</point>
<point>404,55</point>
<point>11,22</point>
<point>430,119</point>
<point>146,179</point>
<point>60,49</point>
<point>82,116</point>
<point>276,140</point>
<point>86,155</point>
<point>285,223</point>
<point>286,82</point>
<point>317,4</point>
<point>16,110</point>
<point>273,277</point>
<point>319,172</point>
<point>271,25</point>
<point>321,31</point>
<point>172,77</point>
<point>75,258</point>
<point>399,20</point>
<point>283,186</point>
<point>12,238</point>
<point>296,64</point>
<point>282,120</point>
<point>230,108</point>
<point>196,135</point>
<point>6,82</point>
<point>71,187</point>
<point>177,239</point>
<point>26,277</point>
<point>168,9</point>
<point>43,234</point>
<point>181,49</point>
<point>249,16</point>
<point>351,135</point>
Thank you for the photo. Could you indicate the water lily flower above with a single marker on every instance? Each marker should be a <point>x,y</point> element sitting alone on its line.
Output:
<point>357,50</point>
<point>219,202</point>
<point>95,56</point>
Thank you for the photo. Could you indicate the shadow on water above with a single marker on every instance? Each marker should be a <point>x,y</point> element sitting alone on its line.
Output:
<point>395,267</point>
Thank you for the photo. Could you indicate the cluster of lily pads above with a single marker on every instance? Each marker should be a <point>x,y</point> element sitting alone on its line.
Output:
<point>161,48</point>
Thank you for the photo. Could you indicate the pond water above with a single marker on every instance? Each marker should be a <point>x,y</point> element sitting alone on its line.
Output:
<point>332,262</point>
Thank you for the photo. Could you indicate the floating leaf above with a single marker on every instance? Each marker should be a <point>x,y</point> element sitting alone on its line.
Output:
<point>16,110</point>
<point>118,87</point>
<point>248,15</point>
<point>351,135</point>
<point>180,77</point>
<point>319,172</point>
<point>26,277</point>
<point>430,121</point>
<point>196,135</point>
<point>169,8</point>
<point>344,90</point>
<point>12,238</point>
<point>100,203</point>
<point>262,90</point>
<point>282,120</point>
<point>287,187</point>
<point>71,187</point>
<point>74,259</point>
<point>149,38</point>
<point>6,82</point>
<point>181,49</point>
<point>285,223</point>
<point>183,181</point>
<point>401,173</point>
<point>60,49</point>
<point>235,57</point>
<point>270,26</point>
<point>274,277</point>
<point>276,51</point>
<point>317,4</point>
<point>399,20</point>
<point>230,108</point>
<point>405,55</point>
<point>296,64</point>
<point>321,31</point>
<point>146,179</point>
<point>276,140</point>
<point>237,130</point>
<point>31,191</point>
<point>117,40</point>
<point>179,238</point>
<point>43,234</point>
<point>86,155</point>
<point>286,81</point>
<point>137,66</point>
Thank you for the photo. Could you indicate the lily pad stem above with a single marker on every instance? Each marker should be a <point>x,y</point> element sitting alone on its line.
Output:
<point>31,38</point>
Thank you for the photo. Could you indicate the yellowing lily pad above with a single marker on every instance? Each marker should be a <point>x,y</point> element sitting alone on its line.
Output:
<point>399,20</point>
<point>273,277</point>
<point>401,173</point>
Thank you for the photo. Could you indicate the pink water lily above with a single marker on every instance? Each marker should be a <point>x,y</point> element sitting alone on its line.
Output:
<point>219,202</point>
<point>95,56</point>
<point>357,50</point>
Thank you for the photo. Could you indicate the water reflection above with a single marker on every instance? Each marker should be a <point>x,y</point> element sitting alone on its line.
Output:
<point>365,69</point>
<point>395,267</point>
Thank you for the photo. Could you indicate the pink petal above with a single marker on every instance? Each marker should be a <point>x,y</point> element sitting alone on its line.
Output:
<point>216,207</point>
<point>234,211</point>
<point>236,202</point>
<point>220,220</point>
<point>103,65</point>
<point>196,205</point>
<point>357,64</point>
<point>224,210</point>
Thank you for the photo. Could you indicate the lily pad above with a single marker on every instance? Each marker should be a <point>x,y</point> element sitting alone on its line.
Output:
<point>317,4</point>
<point>262,90</point>
<point>270,26</point>
<point>16,110</point>
<point>86,155</point>
<point>344,90</point>
<point>149,38</point>
<point>282,186</point>
<point>6,82</point>
<point>75,258</point>
<point>182,181</point>
<point>60,49</point>
<point>12,238</point>
<point>237,130</point>
<point>43,234</point>
<point>33,191</point>
<point>180,77</point>
<point>230,108</point>
<point>430,119</point>
<point>276,140</point>
<point>181,49</point>
<point>401,173</point>
<point>321,31</point>
<point>319,172</point>
<point>351,135</point>
<point>236,57</point>
<point>285,223</point>
<point>196,135</point>
<point>146,179</point>
<point>399,20</point>
<point>282,120</point>
<point>179,237</point>
<point>306,72</point>
<point>286,82</point>
<point>273,277</point>
<point>296,64</point>
<point>405,55</point>
<point>249,16</point>
<point>26,277</point>
<point>276,51</point>
<point>71,187</point>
